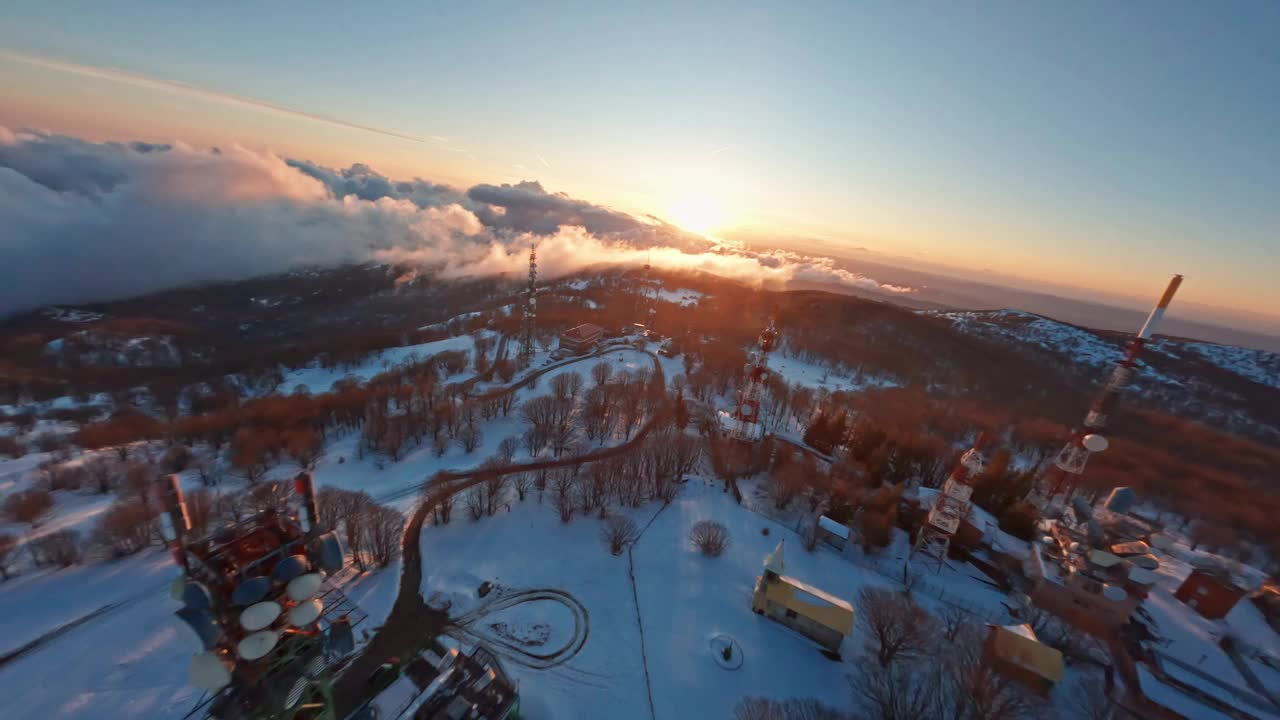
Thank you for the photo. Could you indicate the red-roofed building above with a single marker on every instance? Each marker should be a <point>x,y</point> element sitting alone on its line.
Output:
<point>581,339</point>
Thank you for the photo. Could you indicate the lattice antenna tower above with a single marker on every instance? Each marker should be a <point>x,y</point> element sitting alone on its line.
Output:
<point>747,426</point>
<point>530,319</point>
<point>951,507</point>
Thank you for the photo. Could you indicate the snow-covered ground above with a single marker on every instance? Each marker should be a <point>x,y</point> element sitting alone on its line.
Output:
<point>1260,366</point>
<point>317,379</point>
<point>680,296</point>
<point>129,662</point>
<point>530,548</point>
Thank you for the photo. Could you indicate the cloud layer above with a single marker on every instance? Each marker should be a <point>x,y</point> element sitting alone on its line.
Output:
<point>87,222</point>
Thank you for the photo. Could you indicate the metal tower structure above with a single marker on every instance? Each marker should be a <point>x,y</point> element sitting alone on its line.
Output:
<point>1060,480</point>
<point>530,318</point>
<point>746,424</point>
<point>951,506</point>
<point>252,593</point>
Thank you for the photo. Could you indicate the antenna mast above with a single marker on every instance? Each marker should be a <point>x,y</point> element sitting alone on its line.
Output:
<point>951,506</point>
<point>530,310</point>
<point>1062,478</point>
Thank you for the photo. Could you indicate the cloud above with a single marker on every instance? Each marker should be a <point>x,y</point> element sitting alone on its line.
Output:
<point>176,87</point>
<point>86,222</point>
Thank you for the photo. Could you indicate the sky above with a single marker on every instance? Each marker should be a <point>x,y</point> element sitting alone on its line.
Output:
<point>1092,145</point>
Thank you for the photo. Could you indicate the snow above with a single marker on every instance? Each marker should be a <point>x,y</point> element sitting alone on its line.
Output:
<point>131,661</point>
<point>530,548</point>
<point>799,372</point>
<point>36,602</point>
<point>1260,366</point>
<point>681,297</point>
<point>319,380</point>
<point>1175,699</point>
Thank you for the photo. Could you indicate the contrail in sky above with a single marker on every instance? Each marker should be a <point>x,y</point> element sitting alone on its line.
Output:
<point>138,80</point>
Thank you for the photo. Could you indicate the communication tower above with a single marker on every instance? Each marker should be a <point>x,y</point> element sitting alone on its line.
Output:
<point>252,593</point>
<point>951,506</point>
<point>1059,481</point>
<point>530,310</point>
<point>746,424</point>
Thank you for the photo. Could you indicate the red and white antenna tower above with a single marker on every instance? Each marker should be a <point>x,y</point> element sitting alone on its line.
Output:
<point>951,506</point>
<point>1061,479</point>
<point>530,317</point>
<point>746,415</point>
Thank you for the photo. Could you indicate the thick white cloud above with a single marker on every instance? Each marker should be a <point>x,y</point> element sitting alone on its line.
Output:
<point>86,222</point>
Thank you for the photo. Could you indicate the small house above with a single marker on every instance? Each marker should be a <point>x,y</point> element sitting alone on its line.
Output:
<point>580,339</point>
<point>1015,652</point>
<point>820,616</point>
<point>833,533</point>
<point>1210,591</point>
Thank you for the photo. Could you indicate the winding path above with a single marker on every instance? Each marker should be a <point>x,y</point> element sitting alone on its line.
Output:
<point>411,622</point>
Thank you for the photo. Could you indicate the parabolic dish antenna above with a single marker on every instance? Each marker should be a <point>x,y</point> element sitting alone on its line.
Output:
<point>251,591</point>
<point>209,671</point>
<point>290,568</point>
<point>305,613</point>
<point>328,553</point>
<point>260,615</point>
<point>1095,443</point>
<point>256,645</point>
<point>1114,593</point>
<point>304,587</point>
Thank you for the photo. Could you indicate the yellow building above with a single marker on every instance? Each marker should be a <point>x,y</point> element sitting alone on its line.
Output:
<point>1015,652</point>
<point>812,612</point>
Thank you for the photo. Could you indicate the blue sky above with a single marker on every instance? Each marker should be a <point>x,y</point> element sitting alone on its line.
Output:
<point>1098,145</point>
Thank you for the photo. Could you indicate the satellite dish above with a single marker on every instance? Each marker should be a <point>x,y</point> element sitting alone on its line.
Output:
<point>1161,542</point>
<point>1095,443</point>
<point>196,596</point>
<point>202,624</point>
<point>209,671</point>
<point>256,645</point>
<point>260,615</point>
<point>305,613</point>
<point>1114,593</point>
<point>533,301</point>
<point>251,591</point>
<point>746,409</point>
<point>327,552</point>
<point>304,587</point>
<point>341,639</point>
<point>290,568</point>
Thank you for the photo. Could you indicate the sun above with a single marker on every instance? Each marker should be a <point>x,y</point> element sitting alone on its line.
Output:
<point>697,213</point>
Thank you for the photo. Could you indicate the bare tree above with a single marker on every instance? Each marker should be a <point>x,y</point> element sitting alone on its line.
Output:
<point>522,482</point>
<point>562,485</point>
<point>102,472</point>
<point>27,506</point>
<point>1090,700</point>
<point>507,449</point>
<point>470,438</point>
<point>898,629</point>
<point>61,548</point>
<point>124,528</point>
<point>711,538</point>
<point>974,690</point>
<point>566,385</point>
<point>473,501</point>
<point>442,507</point>
<point>901,691</point>
<point>383,526</point>
<point>601,372</point>
<point>953,620</point>
<point>617,532</point>
<point>8,544</point>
